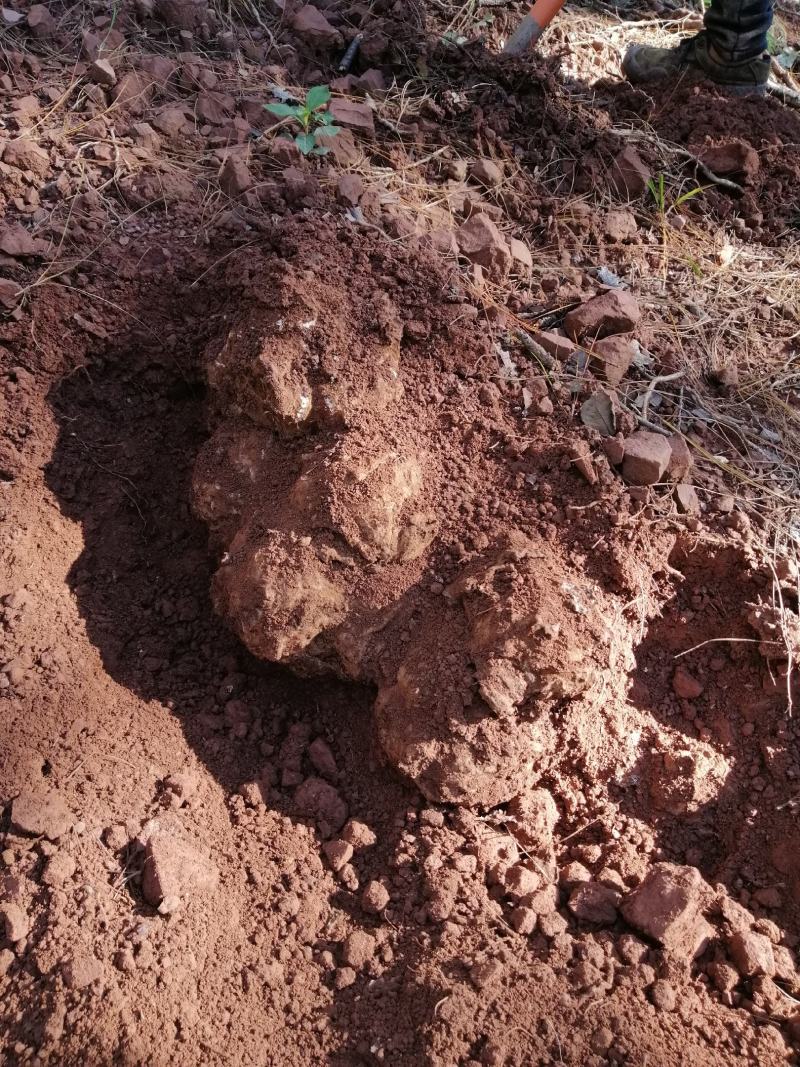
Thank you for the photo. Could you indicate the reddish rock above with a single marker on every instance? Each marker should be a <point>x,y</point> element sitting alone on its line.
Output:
<point>685,685</point>
<point>235,177</point>
<point>41,813</point>
<point>646,458</point>
<point>358,834</point>
<point>523,920</point>
<point>663,995</point>
<point>317,799</point>
<point>486,172</point>
<point>310,24</point>
<point>615,311</point>
<point>133,92</point>
<point>556,344</point>
<point>352,115</point>
<point>15,922</point>
<point>668,905</point>
<point>535,815</point>
<point>480,241</point>
<point>614,449</point>
<point>519,881</point>
<point>730,158</point>
<point>628,174</point>
<point>102,73</point>
<point>214,108</point>
<point>443,241</point>
<point>680,462</point>
<point>358,949</point>
<point>337,853</point>
<point>183,14</point>
<point>592,902</point>
<point>751,953</point>
<point>82,971</point>
<point>59,870</point>
<point>619,226</point>
<point>40,22</point>
<point>374,898</point>
<point>372,81</point>
<point>687,499</point>
<point>520,253</point>
<point>26,155</point>
<point>9,292</point>
<point>174,868</point>
<point>615,355</point>
<point>349,188</point>
<point>16,241</point>
<point>172,121</point>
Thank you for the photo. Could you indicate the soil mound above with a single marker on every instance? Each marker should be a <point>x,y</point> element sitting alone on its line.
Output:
<point>333,483</point>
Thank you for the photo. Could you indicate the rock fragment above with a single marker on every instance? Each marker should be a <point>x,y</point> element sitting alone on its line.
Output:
<point>41,813</point>
<point>629,174</point>
<point>646,458</point>
<point>480,241</point>
<point>752,953</point>
<point>616,311</point>
<point>310,24</point>
<point>667,906</point>
<point>174,869</point>
<point>318,799</point>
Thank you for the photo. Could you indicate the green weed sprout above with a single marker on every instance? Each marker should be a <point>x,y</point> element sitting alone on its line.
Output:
<point>313,118</point>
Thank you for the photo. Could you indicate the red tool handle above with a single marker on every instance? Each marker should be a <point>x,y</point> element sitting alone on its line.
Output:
<point>533,26</point>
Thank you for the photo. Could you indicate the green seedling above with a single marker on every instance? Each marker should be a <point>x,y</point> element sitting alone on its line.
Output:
<point>659,194</point>
<point>313,118</point>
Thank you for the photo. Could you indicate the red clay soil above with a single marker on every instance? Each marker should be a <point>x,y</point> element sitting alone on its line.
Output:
<point>356,710</point>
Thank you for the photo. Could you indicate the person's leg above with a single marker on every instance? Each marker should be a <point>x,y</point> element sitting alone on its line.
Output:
<point>737,29</point>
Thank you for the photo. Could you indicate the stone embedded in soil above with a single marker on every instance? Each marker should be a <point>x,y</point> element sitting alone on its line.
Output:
<point>486,172</point>
<point>310,24</point>
<point>663,995</point>
<point>628,174</point>
<point>680,462</point>
<point>685,685</point>
<point>752,953</point>
<point>668,906</point>
<point>352,115</point>
<point>102,73</point>
<point>619,226</point>
<point>482,243</point>
<point>615,311</point>
<point>687,499</point>
<point>534,814</point>
<point>523,920</point>
<point>646,458</point>
<point>174,868</point>
<point>82,971</point>
<point>40,22</point>
<point>358,949</point>
<point>358,834</point>
<point>26,154</point>
<point>614,356</point>
<point>520,253</point>
<point>556,344</point>
<point>235,177</point>
<point>729,158</point>
<point>349,188</point>
<point>319,752</point>
<point>337,853</point>
<point>41,812</point>
<point>317,799</point>
<point>374,898</point>
<point>59,869</point>
<point>15,922</point>
<point>594,903</point>
<point>687,779</point>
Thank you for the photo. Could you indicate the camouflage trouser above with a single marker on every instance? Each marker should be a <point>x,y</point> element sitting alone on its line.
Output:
<point>737,29</point>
